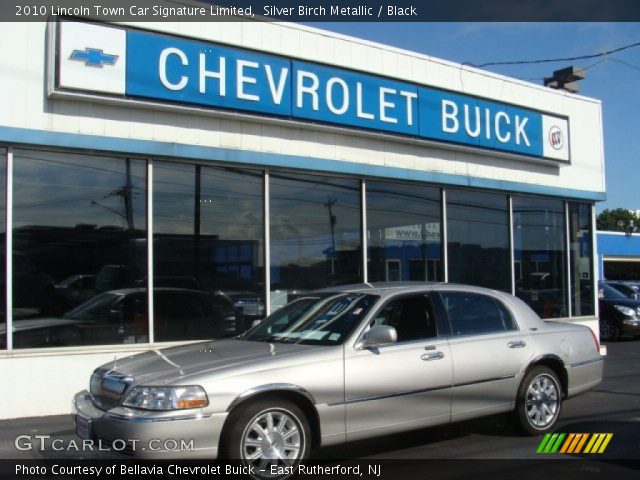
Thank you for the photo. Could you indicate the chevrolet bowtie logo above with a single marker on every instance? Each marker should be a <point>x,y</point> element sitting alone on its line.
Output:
<point>93,57</point>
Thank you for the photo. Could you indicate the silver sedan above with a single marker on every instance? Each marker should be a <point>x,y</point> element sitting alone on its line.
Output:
<point>339,365</point>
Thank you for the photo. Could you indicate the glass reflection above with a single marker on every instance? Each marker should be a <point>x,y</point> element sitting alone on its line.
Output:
<point>478,239</point>
<point>403,232</point>
<point>539,254</point>
<point>79,227</point>
<point>581,230</point>
<point>208,250</point>
<point>315,234</point>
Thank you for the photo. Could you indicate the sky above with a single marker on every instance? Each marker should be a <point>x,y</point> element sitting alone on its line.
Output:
<point>614,79</point>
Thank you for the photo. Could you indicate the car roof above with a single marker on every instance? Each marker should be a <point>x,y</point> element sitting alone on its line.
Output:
<point>390,288</point>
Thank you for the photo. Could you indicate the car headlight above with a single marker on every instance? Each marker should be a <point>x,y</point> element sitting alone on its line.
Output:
<point>629,312</point>
<point>167,398</point>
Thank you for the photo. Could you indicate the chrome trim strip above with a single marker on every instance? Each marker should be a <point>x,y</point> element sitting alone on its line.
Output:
<point>116,416</point>
<point>389,395</point>
<point>268,388</point>
<point>587,362</point>
<point>415,392</point>
<point>504,377</point>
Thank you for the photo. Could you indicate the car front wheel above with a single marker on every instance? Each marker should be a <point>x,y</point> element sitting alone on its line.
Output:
<point>266,433</point>
<point>539,401</point>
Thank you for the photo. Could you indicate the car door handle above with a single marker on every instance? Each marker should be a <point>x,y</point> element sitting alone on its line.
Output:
<point>432,356</point>
<point>518,344</point>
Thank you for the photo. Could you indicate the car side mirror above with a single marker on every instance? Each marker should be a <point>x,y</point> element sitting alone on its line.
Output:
<point>379,335</point>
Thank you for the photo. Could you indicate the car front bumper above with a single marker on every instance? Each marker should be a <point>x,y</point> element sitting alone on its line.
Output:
<point>630,326</point>
<point>149,435</point>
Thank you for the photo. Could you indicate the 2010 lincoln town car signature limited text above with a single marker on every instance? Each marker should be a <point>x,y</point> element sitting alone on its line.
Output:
<point>344,364</point>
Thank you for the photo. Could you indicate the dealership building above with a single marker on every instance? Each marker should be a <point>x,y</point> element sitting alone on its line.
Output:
<point>168,182</point>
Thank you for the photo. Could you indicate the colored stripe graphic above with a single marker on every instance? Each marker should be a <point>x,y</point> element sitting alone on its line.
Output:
<point>567,443</point>
<point>563,443</point>
<point>543,443</point>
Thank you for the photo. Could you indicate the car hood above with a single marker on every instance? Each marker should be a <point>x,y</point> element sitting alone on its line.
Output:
<point>172,364</point>
<point>627,302</point>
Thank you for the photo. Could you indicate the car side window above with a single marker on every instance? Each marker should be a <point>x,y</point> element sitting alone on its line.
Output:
<point>412,317</point>
<point>473,314</point>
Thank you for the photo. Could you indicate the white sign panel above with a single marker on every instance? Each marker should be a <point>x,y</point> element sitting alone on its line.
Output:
<point>555,138</point>
<point>430,233</point>
<point>92,57</point>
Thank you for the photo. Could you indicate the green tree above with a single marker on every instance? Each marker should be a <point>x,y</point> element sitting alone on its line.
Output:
<point>609,220</point>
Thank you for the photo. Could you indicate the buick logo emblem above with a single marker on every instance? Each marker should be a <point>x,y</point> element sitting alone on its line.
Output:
<point>556,138</point>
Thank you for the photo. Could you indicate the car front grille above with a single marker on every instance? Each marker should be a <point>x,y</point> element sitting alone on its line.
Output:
<point>108,387</point>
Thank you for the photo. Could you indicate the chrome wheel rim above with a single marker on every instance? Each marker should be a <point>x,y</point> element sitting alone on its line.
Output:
<point>273,437</point>
<point>543,399</point>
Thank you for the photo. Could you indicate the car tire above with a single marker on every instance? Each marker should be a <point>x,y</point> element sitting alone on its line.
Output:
<point>609,331</point>
<point>539,401</point>
<point>288,435</point>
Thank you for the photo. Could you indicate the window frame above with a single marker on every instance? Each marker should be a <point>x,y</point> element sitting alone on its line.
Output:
<point>366,325</point>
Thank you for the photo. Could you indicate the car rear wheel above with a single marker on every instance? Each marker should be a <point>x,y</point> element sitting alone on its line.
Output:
<point>609,331</point>
<point>539,401</point>
<point>267,432</point>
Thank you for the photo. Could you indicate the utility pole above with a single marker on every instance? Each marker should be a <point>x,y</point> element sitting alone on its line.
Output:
<point>332,223</point>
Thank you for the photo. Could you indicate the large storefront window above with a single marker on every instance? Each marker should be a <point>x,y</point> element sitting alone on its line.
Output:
<point>403,232</point>
<point>208,250</point>
<point>79,250</point>
<point>540,255</point>
<point>315,234</point>
<point>478,239</point>
<point>581,241</point>
<point>3,242</point>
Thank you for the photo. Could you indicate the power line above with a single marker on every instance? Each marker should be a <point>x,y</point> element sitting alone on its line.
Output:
<point>565,59</point>
<point>625,63</point>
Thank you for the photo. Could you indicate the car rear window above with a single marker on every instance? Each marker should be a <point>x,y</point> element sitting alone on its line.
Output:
<point>472,314</point>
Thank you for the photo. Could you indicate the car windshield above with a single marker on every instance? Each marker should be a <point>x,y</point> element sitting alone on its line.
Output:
<point>610,293</point>
<point>322,319</point>
<point>96,308</point>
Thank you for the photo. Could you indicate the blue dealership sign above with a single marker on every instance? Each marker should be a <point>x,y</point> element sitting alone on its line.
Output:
<point>473,121</point>
<point>185,71</point>
<point>190,72</point>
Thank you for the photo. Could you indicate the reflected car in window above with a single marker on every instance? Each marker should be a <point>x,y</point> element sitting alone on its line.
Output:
<point>628,289</point>
<point>619,314</point>
<point>344,364</point>
<point>120,316</point>
<point>75,290</point>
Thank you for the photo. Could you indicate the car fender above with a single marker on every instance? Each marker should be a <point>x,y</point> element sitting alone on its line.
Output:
<point>270,387</point>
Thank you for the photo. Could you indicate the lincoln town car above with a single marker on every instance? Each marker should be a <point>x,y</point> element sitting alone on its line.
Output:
<point>343,364</point>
